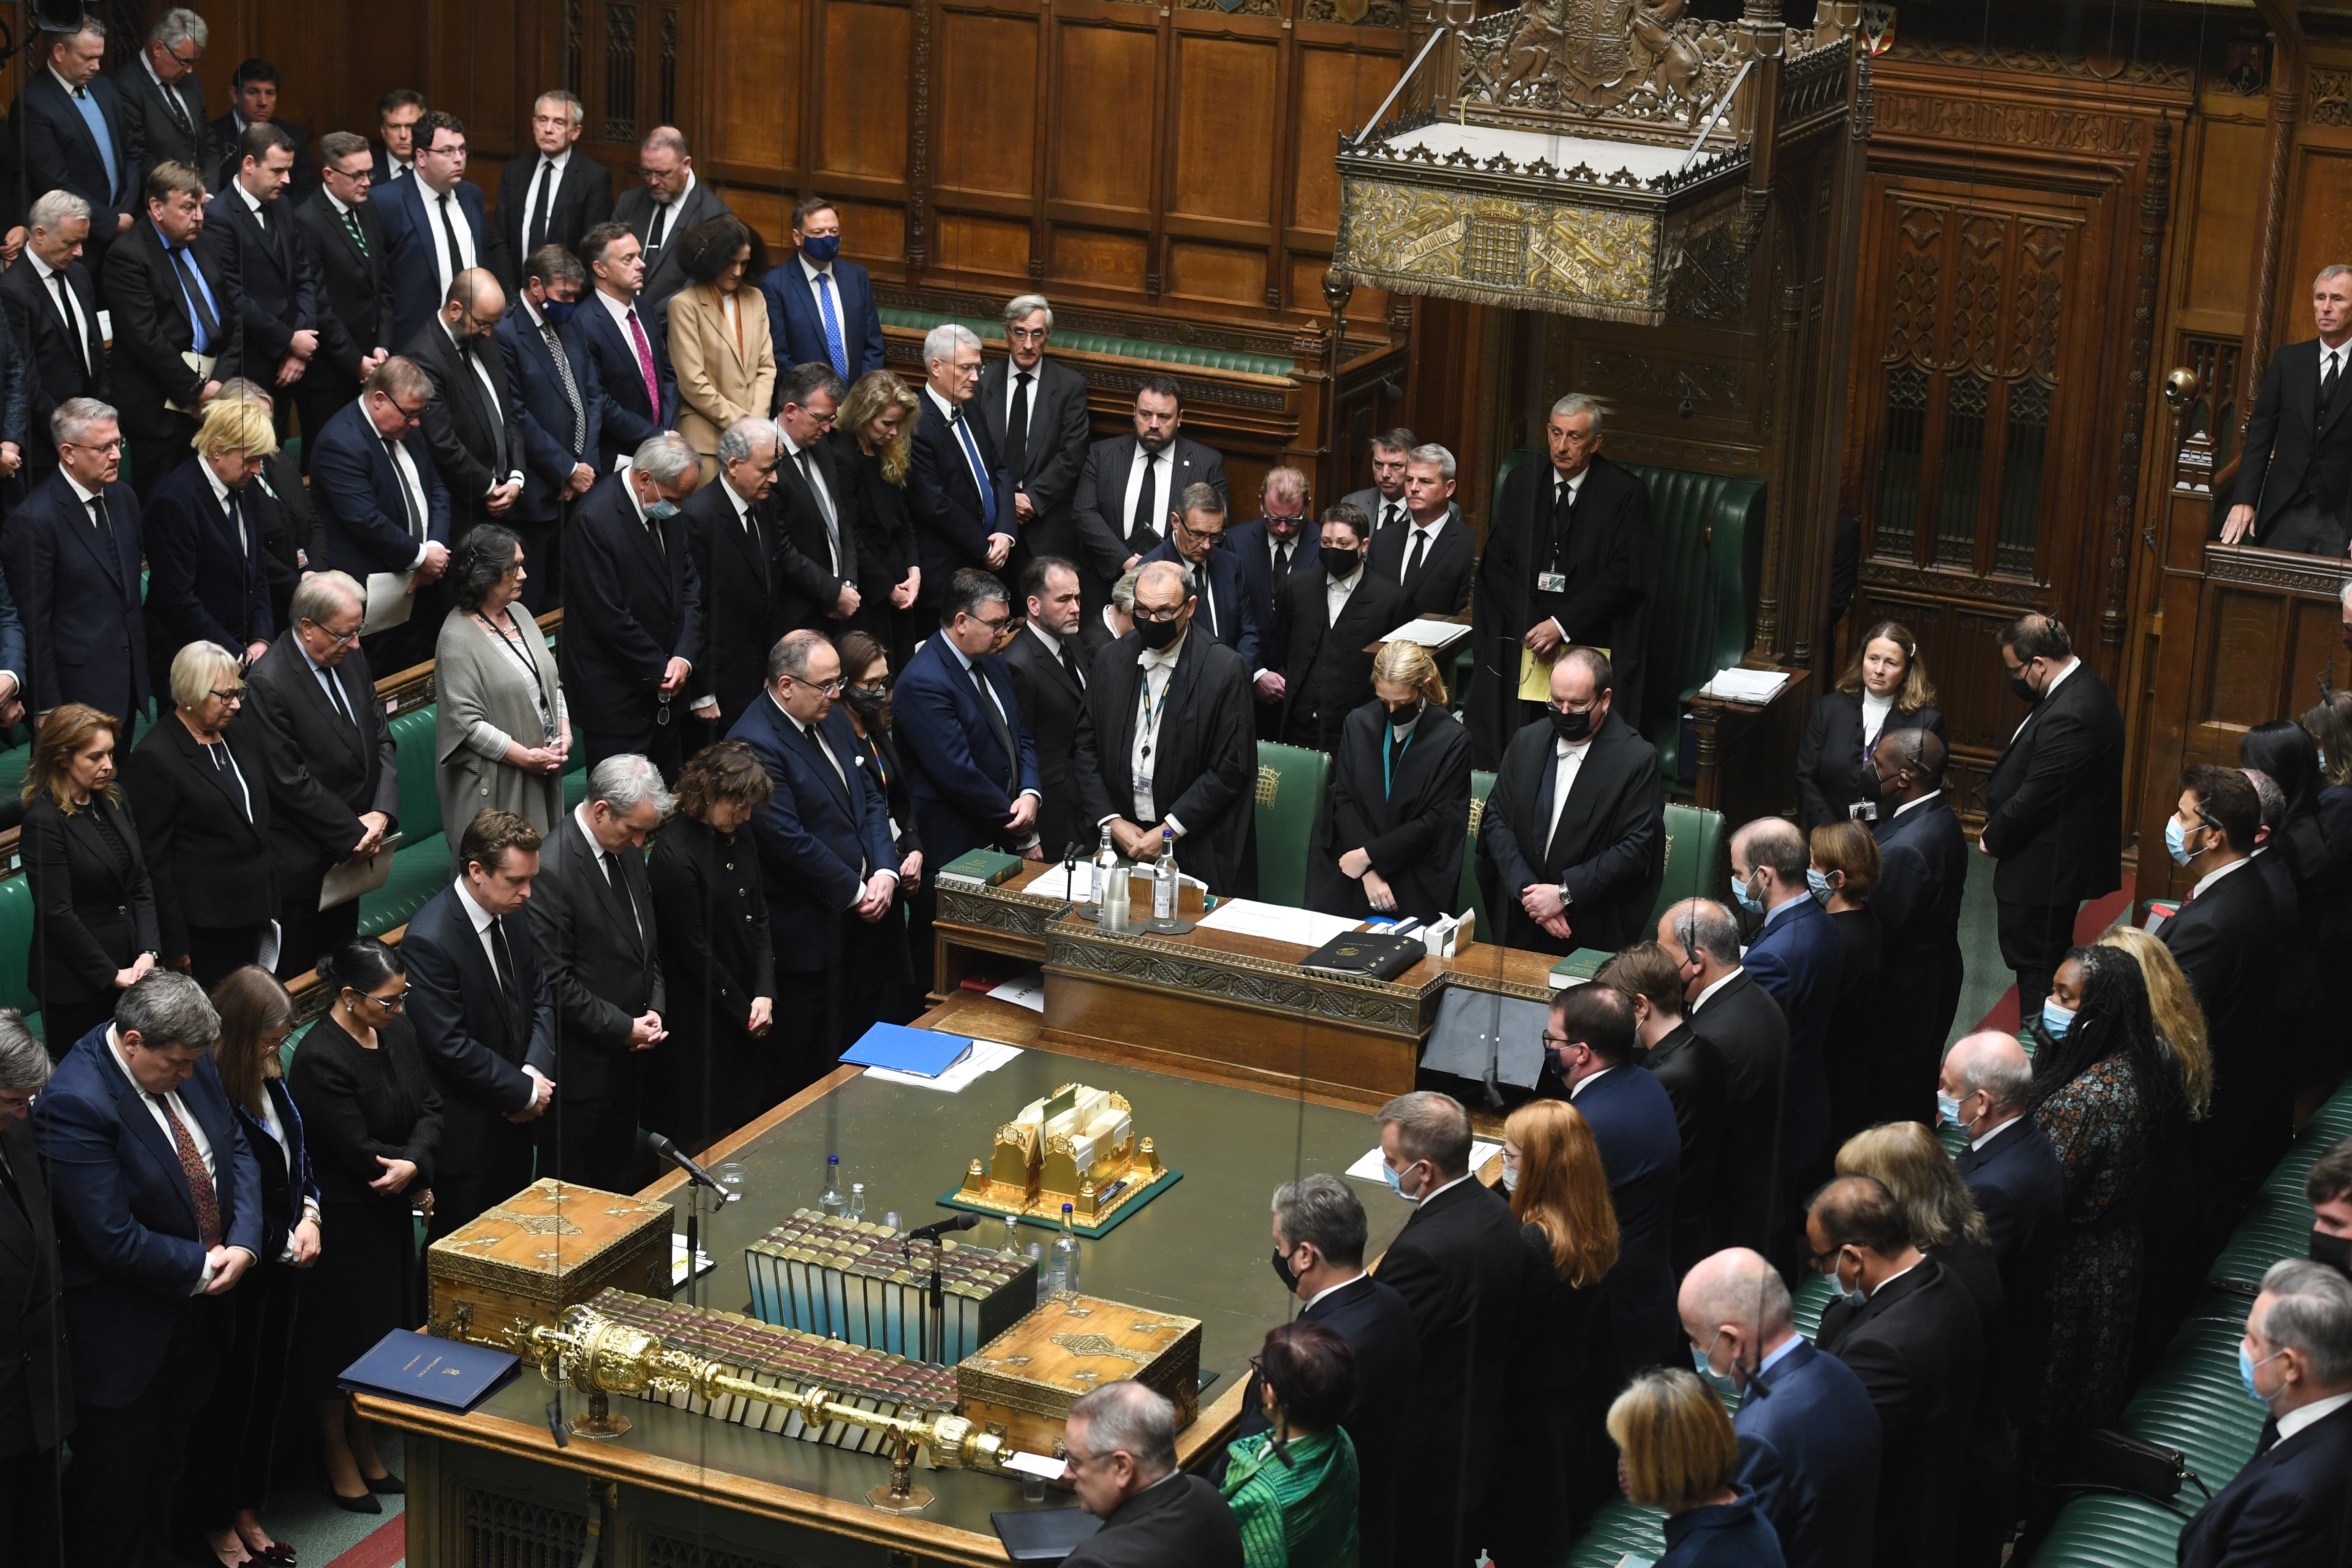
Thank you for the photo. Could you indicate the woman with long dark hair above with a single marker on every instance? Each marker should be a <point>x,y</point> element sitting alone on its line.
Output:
<point>501,733</point>
<point>866,692</point>
<point>1884,689</point>
<point>94,922</point>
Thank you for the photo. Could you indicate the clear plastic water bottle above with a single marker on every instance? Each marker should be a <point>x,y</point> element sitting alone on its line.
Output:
<point>1036,1253</point>
<point>1065,1269</point>
<point>830,1200</point>
<point>1012,1249</point>
<point>1105,863</point>
<point>856,1210</point>
<point>1163,878</point>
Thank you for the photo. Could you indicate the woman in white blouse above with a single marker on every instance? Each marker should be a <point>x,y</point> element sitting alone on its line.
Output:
<point>500,729</point>
<point>1884,689</point>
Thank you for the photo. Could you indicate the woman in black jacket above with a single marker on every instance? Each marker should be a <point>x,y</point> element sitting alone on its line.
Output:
<point>200,792</point>
<point>228,1480</point>
<point>2299,857</point>
<point>1884,689</point>
<point>376,1126</point>
<point>721,1066</point>
<point>1868,1082</point>
<point>872,444</point>
<point>866,691</point>
<point>94,930</point>
<point>1390,835</point>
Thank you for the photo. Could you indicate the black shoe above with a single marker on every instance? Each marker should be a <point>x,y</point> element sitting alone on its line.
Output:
<point>364,1503</point>
<point>387,1485</point>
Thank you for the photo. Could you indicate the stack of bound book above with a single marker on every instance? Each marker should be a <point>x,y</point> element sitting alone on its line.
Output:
<point>854,1281</point>
<point>788,1361</point>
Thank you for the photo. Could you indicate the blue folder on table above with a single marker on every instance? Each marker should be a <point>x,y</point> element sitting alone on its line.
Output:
<point>449,1374</point>
<point>896,1048</point>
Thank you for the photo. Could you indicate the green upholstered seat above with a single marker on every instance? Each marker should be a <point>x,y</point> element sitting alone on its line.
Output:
<point>419,870</point>
<point>2275,1228</point>
<point>1069,338</point>
<point>2104,1530</point>
<point>1471,897</point>
<point>575,787</point>
<point>1290,783</point>
<point>2193,1400</point>
<point>14,762</point>
<point>1697,857</point>
<point>1808,1299</point>
<point>1620,1529</point>
<point>15,941</point>
<point>421,865</point>
<point>420,795</point>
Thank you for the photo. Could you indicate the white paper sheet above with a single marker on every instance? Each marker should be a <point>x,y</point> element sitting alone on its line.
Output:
<point>1275,922</point>
<point>1428,633</point>
<point>702,1263</point>
<point>1368,1169</point>
<point>1037,1465</point>
<point>986,1056</point>
<point>1026,991</point>
<point>1734,684</point>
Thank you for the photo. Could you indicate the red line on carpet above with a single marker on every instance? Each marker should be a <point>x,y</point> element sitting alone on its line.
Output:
<point>383,1547</point>
<point>2095,917</point>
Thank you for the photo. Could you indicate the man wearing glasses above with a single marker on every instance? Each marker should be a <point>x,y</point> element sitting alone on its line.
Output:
<point>1196,538</point>
<point>164,99</point>
<point>72,549</point>
<point>817,584</point>
<point>384,513</point>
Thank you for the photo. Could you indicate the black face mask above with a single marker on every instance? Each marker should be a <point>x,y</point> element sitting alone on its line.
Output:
<point>2017,683</point>
<point>1284,1271</point>
<point>2336,1251</point>
<point>1341,563</point>
<point>1868,786</point>
<point>1409,714</point>
<point>1571,726</point>
<point>1157,634</point>
<point>864,701</point>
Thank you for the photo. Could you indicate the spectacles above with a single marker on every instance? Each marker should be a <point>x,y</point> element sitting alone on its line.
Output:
<point>113,446</point>
<point>1823,1262</point>
<point>829,687</point>
<point>234,694</point>
<point>996,625</point>
<point>1158,618</point>
<point>348,639</point>
<point>1563,1041</point>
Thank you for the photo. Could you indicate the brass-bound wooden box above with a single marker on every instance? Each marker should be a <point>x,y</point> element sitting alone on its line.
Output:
<point>1023,1383</point>
<point>522,1262</point>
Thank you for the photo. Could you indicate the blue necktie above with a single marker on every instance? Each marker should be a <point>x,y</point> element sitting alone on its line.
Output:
<point>833,343</point>
<point>101,132</point>
<point>979,472</point>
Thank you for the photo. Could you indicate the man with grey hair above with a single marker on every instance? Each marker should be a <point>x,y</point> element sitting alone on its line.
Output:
<point>591,917</point>
<point>670,202</point>
<point>632,601</point>
<point>52,308</point>
<point>731,530</point>
<point>1434,559</point>
<point>1382,500</point>
<point>2296,467</point>
<point>1196,536</point>
<point>158,1201</point>
<point>1128,492</point>
<point>816,523</point>
<point>1461,1270</point>
<point>37,1412</point>
<point>956,492</point>
<point>1748,1027</point>
<point>162,99</point>
<point>72,549</point>
<point>553,197</point>
<point>383,512</point>
<point>1122,1446</point>
<point>1571,558</point>
<point>1036,411</point>
<point>2289,1505</point>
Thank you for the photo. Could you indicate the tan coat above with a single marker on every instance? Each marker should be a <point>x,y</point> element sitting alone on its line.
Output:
<point>718,382</point>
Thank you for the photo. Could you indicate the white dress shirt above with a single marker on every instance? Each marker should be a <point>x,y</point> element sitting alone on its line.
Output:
<point>2295,1420</point>
<point>253,204</point>
<point>812,272</point>
<point>1571,755</point>
<point>1163,471</point>
<point>1390,512</point>
<point>1923,800</point>
<point>619,310</point>
<point>1013,374</point>
<point>1700,1000</point>
<point>1427,533</point>
<point>277,1131</point>
<point>2216,874</point>
<point>481,918</point>
<point>490,395</point>
<point>72,312</point>
<point>1336,591</point>
<point>1991,1134</point>
<point>1329,1289</point>
<point>947,411</point>
<point>404,466</point>
<point>1150,708</point>
<point>154,1104</point>
<point>554,167</point>
<point>447,267</point>
<point>668,211</point>
<point>1578,1086</point>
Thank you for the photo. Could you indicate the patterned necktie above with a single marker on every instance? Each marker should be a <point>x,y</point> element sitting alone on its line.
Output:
<point>200,1181</point>
<point>351,227</point>
<point>645,365</point>
<point>570,387</point>
<point>835,347</point>
<point>179,110</point>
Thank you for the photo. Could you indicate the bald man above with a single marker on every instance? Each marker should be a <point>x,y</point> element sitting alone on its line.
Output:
<point>474,423</point>
<point>1797,957</point>
<point>1983,1089</point>
<point>1809,1438</point>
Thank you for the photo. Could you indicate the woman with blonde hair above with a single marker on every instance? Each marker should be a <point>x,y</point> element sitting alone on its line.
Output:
<point>1560,1194</point>
<point>1675,1451</point>
<point>1868,1081</point>
<point>872,443</point>
<point>1390,835</point>
<point>1884,689</point>
<point>207,572</point>
<point>2180,1021</point>
<point>94,925</point>
<point>719,338</point>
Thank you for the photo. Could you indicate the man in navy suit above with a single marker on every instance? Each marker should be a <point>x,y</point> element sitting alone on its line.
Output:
<point>825,852</point>
<point>625,344</point>
<point>1270,548</point>
<point>397,113</point>
<point>170,295</point>
<point>484,1016</point>
<point>382,509</point>
<point>73,135</point>
<point>1923,874</point>
<point>435,225</point>
<point>971,766</point>
<point>72,552</point>
<point>253,100</point>
<point>634,606</point>
<point>162,97</point>
<point>207,580</point>
<point>1797,957</point>
<point>252,228</point>
<point>1128,490</point>
<point>157,1202</point>
<point>1590,1046</point>
<point>956,494</point>
<point>2289,1505</point>
<point>1808,1435</point>
<point>821,308</point>
<point>561,412</point>
<point>1751,1033</point>
<point>1196,535</point>
<point>1985,1088</point>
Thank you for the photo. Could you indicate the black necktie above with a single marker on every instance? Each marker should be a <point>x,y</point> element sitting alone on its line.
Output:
<point>1415,556</point>
<point>1281,563</point>
<point>1016,429</point>
<point>449,228</point>
<point>1003,731</point>
<point>400,483</point>
<point>654,230</point>
<point>342,704</point>
<point>73,323</point>
<point>2327,382</point>
<point>1070,663</point>
<point>105,526</point>
<point>541,200</point>
<point>621,886</point>
<point>509,993</point>
<point>1141,535</point>
<point>1390,514</point>
<point>570,387</point>
<point>179,109</point>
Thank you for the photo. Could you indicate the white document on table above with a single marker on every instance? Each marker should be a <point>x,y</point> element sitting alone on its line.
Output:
<point>1734,684</point>
<point>1276,922</point>
<point>985,1057</point>
<point>1429,633</point>
<point>1023,991</point>
<point>1368,1169</point>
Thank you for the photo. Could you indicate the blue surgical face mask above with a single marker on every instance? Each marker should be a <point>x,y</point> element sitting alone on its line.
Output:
<point>557,311</point>
<point>1947,1110</point>
<point>820,249</point>
<point>2175,841</point>
<point>2246,1364</point>
<point>1510,1178</point>
<point>1817,882</point>
<point>1747,899</point>
<point>1395,1186</point>
<point>1856,1298</point>
<point>2056,1019</point>
<point>660,510</point>
<point>1723,1383</point>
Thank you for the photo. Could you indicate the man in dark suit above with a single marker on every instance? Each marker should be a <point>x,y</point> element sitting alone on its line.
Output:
<point>170,296</point>
<point>206,576</point>
<point>383,510</point>
<point>253,100</point>
<point>1569,559</point>
<point>1166,740</point>
<point>1122,1464</point>
<point>1319,1230</point>
<point>1923,874</point>
<point>592,917</point>
<point>971,766</point>
<point>1915,1341</point>
<point>1748,1027</point>
<point>731,530</point>
<point>956,494</point>
<point>2296,470</point>
<point>1276,544</point>
<point>1196,531</point>
<point>1797,957</point>
<point>1127,488</point>
<point>397,114</point>
<point>635,627</point>
<point>821,308</point>
<point>1809,1440</point>
<point>1572,846</point>
<point>163,97</point>
<point>2054,804</point>
<point>52,311</point>
<point>1382,500</point>
<point>2289,1507</point>
<point>556,195</point>
<point>251,226</point>
<point>1461,1268</point>
<point>342,238</point>
<point>1434,559</point>
<point>36,1399</point>
<point>2226,937</point>
<point>1324,625</point>
<point>1590,1047</point>
<point>670,202</point>
<point>1049,676</point>
<point>473,426</point>
<point>1985,1090</point>
<point>816,544</point>
<point>1690,1069</point>
<point>825,853</point>
<point>484,1016</point>
<point>625,344</point>
<point>1036,411</point>
<point>561,410</point>
<point>334,776</point>
<point>72,554</point>
<point>73,134</point>
<point>159,1216</point>
<point>435,225</point>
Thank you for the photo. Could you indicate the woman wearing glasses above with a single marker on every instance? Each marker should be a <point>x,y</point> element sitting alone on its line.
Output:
<point>199,790</point>
<point>374,1125</point>
<point>500,730</point>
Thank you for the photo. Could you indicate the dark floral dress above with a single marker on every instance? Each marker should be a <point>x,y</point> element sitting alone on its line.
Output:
<point>2098,1124</point>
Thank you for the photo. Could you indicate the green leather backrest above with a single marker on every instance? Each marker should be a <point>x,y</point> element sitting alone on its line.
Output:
<point>15,937</point>
<point>989,330</point>
<point>1472,897</point>
<point>1697,857</point>
<point>1290,783</point>
<point>420,796</point>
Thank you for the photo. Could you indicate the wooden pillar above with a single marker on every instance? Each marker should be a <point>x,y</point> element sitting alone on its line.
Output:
<point>2278,150</point>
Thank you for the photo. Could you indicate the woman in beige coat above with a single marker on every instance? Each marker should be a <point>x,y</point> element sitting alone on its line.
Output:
<point>500,730</point>
<point>719,340</point>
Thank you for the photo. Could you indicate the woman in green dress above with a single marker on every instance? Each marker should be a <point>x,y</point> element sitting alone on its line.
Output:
<point>1293,1490</point>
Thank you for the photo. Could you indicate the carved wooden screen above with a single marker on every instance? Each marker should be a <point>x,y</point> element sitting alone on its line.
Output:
<point>623,57</point>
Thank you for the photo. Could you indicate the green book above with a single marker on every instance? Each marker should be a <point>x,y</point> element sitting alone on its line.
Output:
<point>980,869</point>
<point>1578,967</point>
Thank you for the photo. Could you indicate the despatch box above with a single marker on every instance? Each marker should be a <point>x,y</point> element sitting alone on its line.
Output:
<point>1023,1383</point>
<point>519,1263</point>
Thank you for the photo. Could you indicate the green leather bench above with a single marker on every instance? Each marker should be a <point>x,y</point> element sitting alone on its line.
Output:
<point>1697,858</point>
<point>1472,897</point>
<point>421,865</point>
<point>989,331</point>
<point>15,944</point>
<point>1290,785</point>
